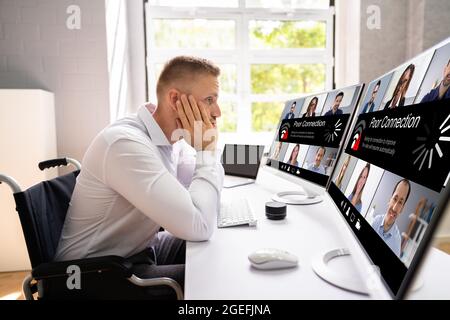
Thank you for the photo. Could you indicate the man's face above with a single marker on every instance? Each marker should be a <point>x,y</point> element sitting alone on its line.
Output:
<point>293,108</point>
<point>396,203</point>
<point>319,156</point>
<point>446,80</point>
<point>337,102</point>
<point>374,93</point>
<point>205,88</point>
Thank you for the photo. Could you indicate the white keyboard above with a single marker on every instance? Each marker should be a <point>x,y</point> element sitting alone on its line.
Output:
<point>234,213</point>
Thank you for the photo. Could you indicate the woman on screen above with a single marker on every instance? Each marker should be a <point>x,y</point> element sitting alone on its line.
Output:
<point>355,196</point>
<point>294,154</point>
<point>276,151</point>
<point>311,110</point>
<point>341,174</point>
<point>398,98</point>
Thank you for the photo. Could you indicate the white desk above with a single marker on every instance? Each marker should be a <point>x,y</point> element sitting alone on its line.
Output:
<point>219,268</point>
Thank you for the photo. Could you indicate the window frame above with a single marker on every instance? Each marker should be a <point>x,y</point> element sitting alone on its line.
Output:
<point>243,56</point>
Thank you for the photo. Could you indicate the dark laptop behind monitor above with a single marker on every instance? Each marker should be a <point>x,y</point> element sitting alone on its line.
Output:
<point>241,164</point>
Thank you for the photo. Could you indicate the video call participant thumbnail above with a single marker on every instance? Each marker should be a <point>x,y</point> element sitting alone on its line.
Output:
<point>294,155</point>
<point>356,195</point>
<point>398,97</point>
<point>311,110</point>
<point>317,166</point>
<point>291,114</point>
<point>384,224</point>
<point>370,105</point>
<point>334,110</point>
<point>342,172</point>
<point>442,90</point>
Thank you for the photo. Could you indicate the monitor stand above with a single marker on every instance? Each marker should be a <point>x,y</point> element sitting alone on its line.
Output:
<point>298,197</point>
<point>322,268</point>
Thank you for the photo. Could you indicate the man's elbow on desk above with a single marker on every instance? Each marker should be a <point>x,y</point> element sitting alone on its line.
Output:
<point>201,229</point>
<point>196,225</point>
<point>201,235</point>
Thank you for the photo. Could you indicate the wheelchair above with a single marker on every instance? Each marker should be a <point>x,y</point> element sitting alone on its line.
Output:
<point>42,210</point>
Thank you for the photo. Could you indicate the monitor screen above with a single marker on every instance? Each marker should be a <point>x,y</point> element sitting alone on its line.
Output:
<point>389,183</point>
<point>242,160</point>
<point>310,133</point>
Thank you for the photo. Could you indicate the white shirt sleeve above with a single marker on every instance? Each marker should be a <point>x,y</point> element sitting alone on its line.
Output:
<point>136,171</point>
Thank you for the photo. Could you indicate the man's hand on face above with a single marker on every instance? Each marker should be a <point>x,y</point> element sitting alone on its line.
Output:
<point>193,117</point>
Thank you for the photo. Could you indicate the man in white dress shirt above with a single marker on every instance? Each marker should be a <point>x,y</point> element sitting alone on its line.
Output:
<point>137,176</point>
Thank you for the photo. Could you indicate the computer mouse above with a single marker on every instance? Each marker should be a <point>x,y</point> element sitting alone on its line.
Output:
<point>270,258</point>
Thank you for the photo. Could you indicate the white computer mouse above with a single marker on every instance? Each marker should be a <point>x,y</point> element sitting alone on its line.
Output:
<point>270,258</point>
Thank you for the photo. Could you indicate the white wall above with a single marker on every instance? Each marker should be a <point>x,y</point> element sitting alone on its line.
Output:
<point>35,109</point>
<point>86,69</point>
<point>38,51</point>
<point>408,27</point>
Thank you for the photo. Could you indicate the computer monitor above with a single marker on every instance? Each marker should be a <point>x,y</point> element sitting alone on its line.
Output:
<point>390,181</point>
<point>308,139</point>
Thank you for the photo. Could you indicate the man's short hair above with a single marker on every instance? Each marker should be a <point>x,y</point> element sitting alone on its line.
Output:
<point>294,103</point>
<point>378,83</point>
<point>409,188</point>
<point>340,94</point>
<point>323,148</point>
<point>182,68</point>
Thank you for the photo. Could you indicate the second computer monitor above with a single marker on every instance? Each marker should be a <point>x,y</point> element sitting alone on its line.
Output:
<point>309,136</point>
<point>390,184</point>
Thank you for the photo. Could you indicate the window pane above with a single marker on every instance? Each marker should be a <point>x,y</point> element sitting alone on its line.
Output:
<point>294,4</point>
<point>227,77</point>
<point>228,120</point>
<point>267,34</point>
<point>194,33</point>
<point>195,3</point>
<point>287,78</point>
<point>266,115</point>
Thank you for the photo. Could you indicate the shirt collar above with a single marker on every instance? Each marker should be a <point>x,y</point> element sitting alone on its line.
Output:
<point>389,232</point>
<point>154,130</point>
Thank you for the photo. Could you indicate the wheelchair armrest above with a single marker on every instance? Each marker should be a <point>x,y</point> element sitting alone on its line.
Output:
<point>98,264</point>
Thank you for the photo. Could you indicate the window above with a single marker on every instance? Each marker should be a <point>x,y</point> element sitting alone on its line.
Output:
<point>269,51</point>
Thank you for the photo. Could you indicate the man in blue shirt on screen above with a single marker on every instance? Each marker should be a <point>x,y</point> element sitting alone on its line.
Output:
<point>385,224</point>
<point>336,104</point>
<point>316,165</point>
<point>291,114</point>
<point>370,105</point>
<point>442,91</point>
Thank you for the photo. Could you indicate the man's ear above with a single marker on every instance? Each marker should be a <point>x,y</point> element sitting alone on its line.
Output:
<point>173,95</point>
